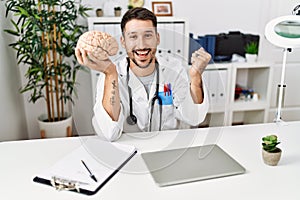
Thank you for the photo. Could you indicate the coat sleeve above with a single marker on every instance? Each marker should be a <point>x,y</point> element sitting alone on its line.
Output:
<point>191,113</point>
<point>186,110</point>
<point>103,125</point>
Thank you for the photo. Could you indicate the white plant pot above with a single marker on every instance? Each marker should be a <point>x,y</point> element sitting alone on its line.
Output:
<point>251,57</point>
<point>55,129</point>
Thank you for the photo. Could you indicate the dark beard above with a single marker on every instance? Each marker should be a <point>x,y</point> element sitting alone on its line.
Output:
<point>134,61</point>
<point>142,67</point>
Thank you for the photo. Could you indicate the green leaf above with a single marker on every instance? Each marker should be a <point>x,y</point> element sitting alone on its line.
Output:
<point>23,11</point>
<point>270,142</point>
<point>15,33</point>
<point>251,48</point>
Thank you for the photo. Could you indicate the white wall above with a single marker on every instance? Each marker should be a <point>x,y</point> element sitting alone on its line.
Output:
<point>213,17</point>
<point>12,120</point>
<point>204,17</point>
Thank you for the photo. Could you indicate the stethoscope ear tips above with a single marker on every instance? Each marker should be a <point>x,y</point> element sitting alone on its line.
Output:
<point>131,120</point>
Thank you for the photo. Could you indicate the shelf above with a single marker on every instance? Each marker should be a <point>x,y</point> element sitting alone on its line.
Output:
<point>255,76</point>
<point>240,105</point>
<point>219,66</point>
<point>256,79</point>
<point>251,65</point>
<point>248,117</point>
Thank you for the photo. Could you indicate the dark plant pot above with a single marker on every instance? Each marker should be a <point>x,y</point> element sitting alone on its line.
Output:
<point>271,158</point>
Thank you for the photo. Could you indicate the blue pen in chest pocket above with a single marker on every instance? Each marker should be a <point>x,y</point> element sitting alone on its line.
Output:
<point>166,96</point>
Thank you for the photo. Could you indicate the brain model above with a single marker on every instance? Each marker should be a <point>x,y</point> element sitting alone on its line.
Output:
<point>100,44</point>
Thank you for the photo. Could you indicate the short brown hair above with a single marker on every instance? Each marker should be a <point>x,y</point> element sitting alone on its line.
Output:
<point>138,13</point>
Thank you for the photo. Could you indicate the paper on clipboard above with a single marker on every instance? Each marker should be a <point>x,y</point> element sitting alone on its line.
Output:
<point>103,159</point>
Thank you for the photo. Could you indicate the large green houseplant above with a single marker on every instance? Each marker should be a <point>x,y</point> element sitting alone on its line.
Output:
<point>47,32</point>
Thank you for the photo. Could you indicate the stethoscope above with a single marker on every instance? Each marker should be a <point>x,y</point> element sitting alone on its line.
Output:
<point>131,119</point>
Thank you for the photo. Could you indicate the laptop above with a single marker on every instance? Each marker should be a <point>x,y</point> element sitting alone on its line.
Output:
<point>176,166</point>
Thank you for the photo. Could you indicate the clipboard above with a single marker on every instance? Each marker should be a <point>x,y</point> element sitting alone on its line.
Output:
<point>103,158</point>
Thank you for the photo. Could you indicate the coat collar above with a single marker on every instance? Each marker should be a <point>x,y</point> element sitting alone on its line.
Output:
<point>134,82</point>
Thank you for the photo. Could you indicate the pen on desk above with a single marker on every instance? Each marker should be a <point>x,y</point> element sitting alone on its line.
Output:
<point>91,174</point>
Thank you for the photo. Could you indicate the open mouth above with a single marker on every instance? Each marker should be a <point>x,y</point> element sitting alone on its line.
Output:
<point>142,52</point>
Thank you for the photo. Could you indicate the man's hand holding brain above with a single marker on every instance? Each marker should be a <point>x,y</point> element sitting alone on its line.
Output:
<point>94,48</point>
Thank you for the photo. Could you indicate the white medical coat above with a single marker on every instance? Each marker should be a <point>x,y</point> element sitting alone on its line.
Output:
<point>183,108</point>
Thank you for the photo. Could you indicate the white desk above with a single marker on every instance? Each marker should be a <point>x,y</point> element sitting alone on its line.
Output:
<point>21,160</point>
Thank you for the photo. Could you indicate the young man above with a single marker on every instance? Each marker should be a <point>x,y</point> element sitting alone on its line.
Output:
<point>145,92</point>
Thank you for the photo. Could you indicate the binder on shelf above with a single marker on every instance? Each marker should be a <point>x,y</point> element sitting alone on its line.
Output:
<point>221,91</point>
<point>208,42</point>
<point>210,46</point>
<point>211,79</point>
<point>216,80</point>
<point>88,168</point>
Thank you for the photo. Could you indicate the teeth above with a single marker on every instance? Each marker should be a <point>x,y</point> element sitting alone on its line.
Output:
<point>142,52</point>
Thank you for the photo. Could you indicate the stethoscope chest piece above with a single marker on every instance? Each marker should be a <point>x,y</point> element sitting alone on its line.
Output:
<point>131,120</point>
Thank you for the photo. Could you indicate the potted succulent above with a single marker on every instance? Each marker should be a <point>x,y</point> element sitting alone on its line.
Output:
<point>47,32</point>
<point>270,152</point>
<point>117,11</point>
<point>251,51</point>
